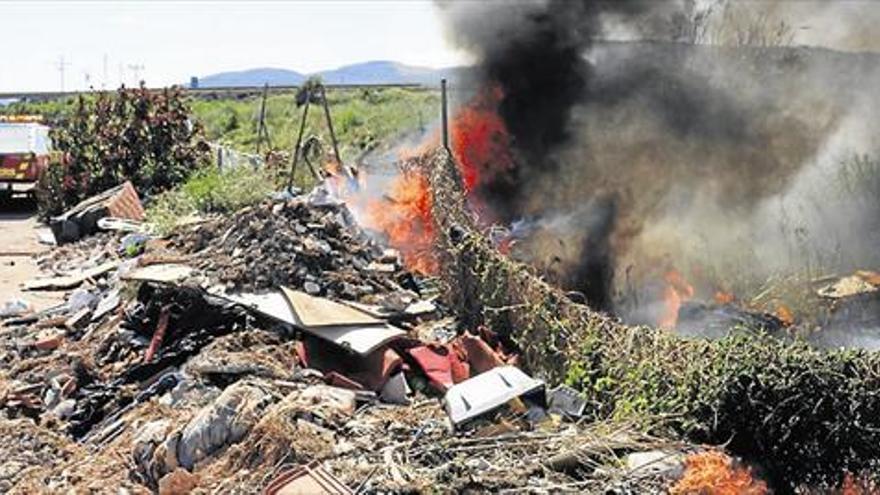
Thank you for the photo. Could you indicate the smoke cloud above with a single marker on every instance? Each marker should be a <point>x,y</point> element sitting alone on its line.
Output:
<point>728,163</point>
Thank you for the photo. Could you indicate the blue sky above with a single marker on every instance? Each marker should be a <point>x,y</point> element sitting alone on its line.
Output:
<point>173,40</point>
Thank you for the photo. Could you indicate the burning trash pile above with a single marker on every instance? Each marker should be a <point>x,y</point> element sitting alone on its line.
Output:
<point>804,415</point>
<point>208,361</point>
<point>524,310</point>
<point>155,377</point>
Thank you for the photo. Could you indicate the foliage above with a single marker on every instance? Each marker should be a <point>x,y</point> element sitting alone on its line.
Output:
<point>53,111</point>
<point>135,134</point>
<point>210,190</point>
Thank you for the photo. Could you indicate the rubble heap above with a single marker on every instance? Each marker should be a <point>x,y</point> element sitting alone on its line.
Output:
<point>300,243</point>
<point>146,382</point>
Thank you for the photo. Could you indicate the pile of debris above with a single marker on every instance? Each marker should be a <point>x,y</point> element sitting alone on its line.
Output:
<point>284,349</point>
<point>307,243</point>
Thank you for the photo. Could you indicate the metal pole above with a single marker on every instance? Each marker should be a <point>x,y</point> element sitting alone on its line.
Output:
<point>330,126</point>
<point>261,128</point>
<point>302,128</point>
<point>444,114</point>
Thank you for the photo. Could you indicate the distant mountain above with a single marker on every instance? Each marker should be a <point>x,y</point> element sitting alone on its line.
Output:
<point>253,77</point>
<point>383,72</point>
<point>374,72</point>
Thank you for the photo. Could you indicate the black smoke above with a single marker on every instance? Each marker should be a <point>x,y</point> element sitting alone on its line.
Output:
<point>535,52</point>
<point>723,161</point>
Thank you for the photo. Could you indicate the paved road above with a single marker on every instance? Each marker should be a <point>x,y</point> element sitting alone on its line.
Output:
<point>18,250</point>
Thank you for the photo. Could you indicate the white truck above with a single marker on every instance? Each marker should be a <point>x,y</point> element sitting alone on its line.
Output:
<point>24,156</point>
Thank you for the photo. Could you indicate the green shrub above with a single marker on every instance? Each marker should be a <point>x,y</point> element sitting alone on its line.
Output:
<point>135,134</point>
<point>210,190</point>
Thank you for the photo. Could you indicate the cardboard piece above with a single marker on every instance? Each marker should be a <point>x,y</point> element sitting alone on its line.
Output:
<point>320,312</point>
<point>360,338</point>
<point>309,479</point>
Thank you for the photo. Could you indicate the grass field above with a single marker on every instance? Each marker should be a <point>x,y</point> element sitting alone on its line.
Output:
<point>364,118</point>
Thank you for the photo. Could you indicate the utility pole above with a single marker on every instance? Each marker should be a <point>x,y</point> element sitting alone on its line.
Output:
<point>61,66</point>
<point>104,80</point>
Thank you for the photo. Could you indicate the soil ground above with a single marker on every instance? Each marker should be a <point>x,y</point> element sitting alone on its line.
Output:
<point>19,249</point>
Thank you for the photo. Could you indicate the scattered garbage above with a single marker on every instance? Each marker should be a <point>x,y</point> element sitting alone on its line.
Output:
<point>488,391</point>
<point>861,282</point>
<point>308,246</point>
<point>82,220</point>
<point>79,299</point>
<point>310,478</point>
<point>566,401</point>
<point>133,244</point>
<point>283,336</point>
<point>70,280</point>
<point>15,307</point>
<point>120,224</point>
<point>162,273</point>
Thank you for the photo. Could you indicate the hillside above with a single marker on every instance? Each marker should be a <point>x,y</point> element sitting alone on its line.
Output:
<point>373,72</point>
<point>253,77</point>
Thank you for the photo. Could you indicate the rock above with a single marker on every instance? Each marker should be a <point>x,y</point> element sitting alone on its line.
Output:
<point>65,408</point>
<point>312,288</point>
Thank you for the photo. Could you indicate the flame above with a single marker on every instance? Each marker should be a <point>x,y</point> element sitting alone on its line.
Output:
<point>479,139</point>
<point>713,473</point>
<point>785,315</point>
<point>404,215</point>
<point>480,144</point>
<point>676,292</point>
<point>723,297</point>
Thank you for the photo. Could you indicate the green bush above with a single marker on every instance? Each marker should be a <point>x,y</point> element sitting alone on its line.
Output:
<point>135,134</point>
<point>210,190</point>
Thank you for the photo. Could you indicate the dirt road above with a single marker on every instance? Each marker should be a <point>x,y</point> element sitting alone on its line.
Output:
<point>18,250</point>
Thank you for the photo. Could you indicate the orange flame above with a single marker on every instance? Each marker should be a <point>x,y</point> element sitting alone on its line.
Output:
<point>480,144</point>
<point>713,473</point>
<point>785,315</point>
<point>404,215</point>
<point>676,292</point>
<point>480,141</point>
<point>722,297</point>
